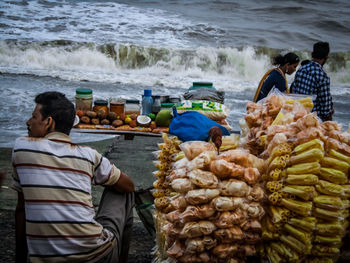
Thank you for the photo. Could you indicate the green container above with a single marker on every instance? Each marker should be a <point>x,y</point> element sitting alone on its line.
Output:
<point>83,99</point>
<point>166,106</point>
<point>196,85</point>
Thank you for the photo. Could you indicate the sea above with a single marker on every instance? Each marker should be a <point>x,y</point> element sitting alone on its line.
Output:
<point>120,48</point>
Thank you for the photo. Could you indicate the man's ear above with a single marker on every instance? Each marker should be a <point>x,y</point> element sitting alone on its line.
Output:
<point>50,125</point>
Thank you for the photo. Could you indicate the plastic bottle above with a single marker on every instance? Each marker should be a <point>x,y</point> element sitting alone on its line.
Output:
<point>147,102</point>
<point>156,105</point>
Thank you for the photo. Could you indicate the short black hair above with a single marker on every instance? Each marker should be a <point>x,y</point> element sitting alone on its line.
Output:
<point>289,58</point>
<point>320,50</point>
<point>57,106</point>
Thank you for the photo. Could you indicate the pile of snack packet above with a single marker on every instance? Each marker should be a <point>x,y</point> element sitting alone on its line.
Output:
<point>282,193</point>
<point>306,181</point>
<point>208,205</point>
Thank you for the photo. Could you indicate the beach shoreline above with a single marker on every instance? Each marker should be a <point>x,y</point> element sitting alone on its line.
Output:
<point>134,157</point>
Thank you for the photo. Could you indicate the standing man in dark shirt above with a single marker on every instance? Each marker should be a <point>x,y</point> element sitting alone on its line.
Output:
<point>311,79</point>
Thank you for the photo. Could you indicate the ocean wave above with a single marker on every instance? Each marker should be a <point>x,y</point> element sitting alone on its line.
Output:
<point>234,68</point>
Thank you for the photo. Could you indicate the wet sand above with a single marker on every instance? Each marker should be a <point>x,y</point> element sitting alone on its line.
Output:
<point>134,157</point>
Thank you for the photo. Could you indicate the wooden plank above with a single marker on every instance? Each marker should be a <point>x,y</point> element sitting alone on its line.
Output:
<point>127,134</point>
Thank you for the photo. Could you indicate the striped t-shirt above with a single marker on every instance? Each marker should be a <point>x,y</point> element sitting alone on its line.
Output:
<point>55,177</point>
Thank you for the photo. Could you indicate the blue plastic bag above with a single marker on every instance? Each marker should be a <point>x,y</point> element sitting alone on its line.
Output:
<point>192,126</point>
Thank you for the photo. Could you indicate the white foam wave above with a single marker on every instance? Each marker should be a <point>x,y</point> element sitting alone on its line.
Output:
<point>228,68</point>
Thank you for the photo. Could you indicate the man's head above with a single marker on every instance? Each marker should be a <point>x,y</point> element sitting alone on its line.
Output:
<point>320,51</point>
<point>53,112</point>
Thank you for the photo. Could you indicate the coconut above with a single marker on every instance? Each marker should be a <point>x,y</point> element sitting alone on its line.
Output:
<point>143,120</point>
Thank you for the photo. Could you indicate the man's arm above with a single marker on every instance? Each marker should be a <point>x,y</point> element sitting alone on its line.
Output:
<point>124,184</point>
<point>325,99</point>
<point>21,242</point>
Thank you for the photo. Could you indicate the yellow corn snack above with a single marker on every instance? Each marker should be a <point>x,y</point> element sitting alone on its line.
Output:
<point>306,102</point>
<point>328,202</point>
<point>302,179</point>
<point>335,164</point>
<point>158,193</point>
<point>311,155</point>
<point>273,255</point>
<point>275,198</point>
<point>275,213</point>
<point>329,229</point>
<point>333,175</point>
<point>299,207</point>
<point>314,144</point>
<point>279,162</point>
<point>327,214</point>
<point>267,235</point>
<point>346,189</point>
<point>295,244</point>
<point>298,234</point>
<point>335,240</point>
<point>306,223</point>
<point>304,168</point>
<point>333,153</point>
<point>279,150</point>
<point>283,250</point>
<point>278,119</point>
<point>320,260</point>
<point>179,156</point>
<point>319,250</point>
<point>229,142</point>
<point>274,186</point>
<point>325,187</point>
<point>276,174</point>
<point>271,227</point>
<point>304,192</point>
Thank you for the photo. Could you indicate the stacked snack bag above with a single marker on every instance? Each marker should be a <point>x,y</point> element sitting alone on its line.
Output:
<point>286,183</point>
<point>211,210</point>
<point>306,183</point>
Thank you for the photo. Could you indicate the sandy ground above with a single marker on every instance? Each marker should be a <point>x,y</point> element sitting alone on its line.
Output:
<point>134,157</point>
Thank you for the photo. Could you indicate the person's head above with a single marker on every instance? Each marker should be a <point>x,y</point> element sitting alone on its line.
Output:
<point>53,112</point>
<point>320,52</point>
<point>289,62</point>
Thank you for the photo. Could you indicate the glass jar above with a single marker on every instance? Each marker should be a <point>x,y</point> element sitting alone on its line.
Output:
<point>132,106</point>
<point>101,105</point>
<point>83,99</point>
<point>117,106</point>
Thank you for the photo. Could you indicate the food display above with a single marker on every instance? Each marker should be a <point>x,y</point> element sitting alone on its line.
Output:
<point>306,180</point>
<point>118,115</point>
<point>208,205</point>
<point>279,192</point>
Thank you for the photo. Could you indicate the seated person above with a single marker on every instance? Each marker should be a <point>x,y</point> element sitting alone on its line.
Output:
<point>55,217</point>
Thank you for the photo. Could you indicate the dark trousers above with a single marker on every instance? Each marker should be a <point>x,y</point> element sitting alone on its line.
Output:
<point>115,213</point>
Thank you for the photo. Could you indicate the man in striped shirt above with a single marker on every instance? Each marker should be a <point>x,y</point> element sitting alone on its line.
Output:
<point>55,216</point>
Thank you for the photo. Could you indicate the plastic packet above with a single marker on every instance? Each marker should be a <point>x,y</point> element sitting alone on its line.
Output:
<point>182,163</point>
<point>192,149</point>
<point>182,185</point>
<point>203,160</point>
<point>233,187</point>
<point>201,196</point>
<point>203,179</point>
<point>213,110</point>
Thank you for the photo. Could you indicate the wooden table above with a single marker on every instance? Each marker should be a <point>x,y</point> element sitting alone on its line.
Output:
<point>128,135</point>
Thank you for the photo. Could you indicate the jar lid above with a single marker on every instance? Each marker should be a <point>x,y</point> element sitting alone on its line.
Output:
<point>167,105</point>
<point>101,102</point>
<point>133,101</point>
<point>147,92</point>
<point>83,91</point>
<point>202,84</point>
